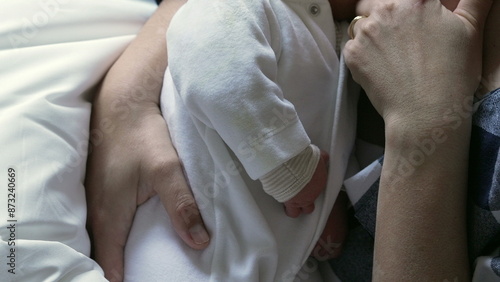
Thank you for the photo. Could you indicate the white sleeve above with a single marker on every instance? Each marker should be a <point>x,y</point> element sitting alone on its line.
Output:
<point>288,179</point>
<point>223,58</point>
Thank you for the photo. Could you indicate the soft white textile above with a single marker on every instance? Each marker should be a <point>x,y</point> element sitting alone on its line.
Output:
<point>288,179</point>
<point>252,238</point>
<point>52,54</point>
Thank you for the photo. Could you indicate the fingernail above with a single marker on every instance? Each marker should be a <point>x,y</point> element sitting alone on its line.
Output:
<point>199,234</point>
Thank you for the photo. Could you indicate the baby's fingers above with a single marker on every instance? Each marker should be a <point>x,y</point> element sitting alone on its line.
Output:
<point>292,211</point>
<point>308,209</point>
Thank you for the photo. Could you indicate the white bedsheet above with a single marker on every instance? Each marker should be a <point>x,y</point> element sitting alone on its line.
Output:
<point>52,54</point>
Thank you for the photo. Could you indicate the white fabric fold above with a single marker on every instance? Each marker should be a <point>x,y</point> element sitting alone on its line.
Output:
<point>53,54</point>
<point>287,180</point>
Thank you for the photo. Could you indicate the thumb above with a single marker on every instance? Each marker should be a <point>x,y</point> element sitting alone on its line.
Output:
<point>182,209</point>
<point>474,11</point>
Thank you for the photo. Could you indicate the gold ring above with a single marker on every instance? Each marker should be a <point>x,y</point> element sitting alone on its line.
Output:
<point>350,31</point>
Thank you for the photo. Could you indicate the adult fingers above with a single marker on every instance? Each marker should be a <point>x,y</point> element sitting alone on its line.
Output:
<point>365,7</point>
<point>474,11</point>
<point>308,209</point>
<point>181,206</point>
<point>292,211</point>
<point>165,175</point>
<point>355,26</point>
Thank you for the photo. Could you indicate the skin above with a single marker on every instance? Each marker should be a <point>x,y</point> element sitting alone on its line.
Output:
<point>303,202</point>
<point>429,202</point>
<point>155,169</point>
<point>134,133</point>
<point>135,160</point>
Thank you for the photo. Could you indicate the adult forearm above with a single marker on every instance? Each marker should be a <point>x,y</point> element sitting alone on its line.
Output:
<point>421,217</point>
<point>134,81</point>
<point>426,171</point>
<point>424,93</point>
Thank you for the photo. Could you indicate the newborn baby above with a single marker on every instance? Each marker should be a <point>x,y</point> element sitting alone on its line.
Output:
<point>254,85</point>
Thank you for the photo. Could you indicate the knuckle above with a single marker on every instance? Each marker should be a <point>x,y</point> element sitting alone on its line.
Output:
<point>370,29</point>
<point>161,171</point>
<point>186,208</point>
<point>160,165</point>
<point>184,202</point>
<point>387,7</point>
<point>350,54</point>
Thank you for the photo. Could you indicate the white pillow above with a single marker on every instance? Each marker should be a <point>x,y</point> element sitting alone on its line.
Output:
<point>52,55</point>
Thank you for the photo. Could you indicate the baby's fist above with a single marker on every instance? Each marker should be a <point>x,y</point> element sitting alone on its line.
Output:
<point>303,202</point>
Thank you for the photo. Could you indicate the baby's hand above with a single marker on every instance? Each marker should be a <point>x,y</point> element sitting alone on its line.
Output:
<point>303,202</point>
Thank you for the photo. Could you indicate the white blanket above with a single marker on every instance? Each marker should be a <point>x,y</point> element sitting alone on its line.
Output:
<point>52,55</point>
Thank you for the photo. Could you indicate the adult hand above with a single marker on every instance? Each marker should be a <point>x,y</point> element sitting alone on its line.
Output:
<point>442,47</point>
<point>365,7</point>
<point>131,157</point>
<point>420,65</point>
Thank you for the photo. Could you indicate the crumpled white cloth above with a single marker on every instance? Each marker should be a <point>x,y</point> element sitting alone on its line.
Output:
<point>52,55</point>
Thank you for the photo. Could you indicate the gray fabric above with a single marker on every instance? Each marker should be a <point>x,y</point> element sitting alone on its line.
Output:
<point>355,263</point>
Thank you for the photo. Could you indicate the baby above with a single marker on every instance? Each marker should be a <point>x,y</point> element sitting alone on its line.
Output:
<point>253,84</point>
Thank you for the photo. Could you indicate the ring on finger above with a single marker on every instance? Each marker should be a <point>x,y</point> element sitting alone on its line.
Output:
<point>350,30</point>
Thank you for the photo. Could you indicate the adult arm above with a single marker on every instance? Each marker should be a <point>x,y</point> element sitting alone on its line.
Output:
<point>132,157</point>
<point>419,64</point>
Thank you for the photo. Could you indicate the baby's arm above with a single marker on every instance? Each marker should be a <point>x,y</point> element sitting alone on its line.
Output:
<point>224,64</point>
<point>227,80</point>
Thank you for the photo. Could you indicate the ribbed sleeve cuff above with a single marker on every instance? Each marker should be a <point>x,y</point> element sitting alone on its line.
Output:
<point>287,180</point>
